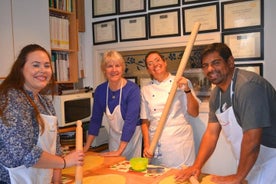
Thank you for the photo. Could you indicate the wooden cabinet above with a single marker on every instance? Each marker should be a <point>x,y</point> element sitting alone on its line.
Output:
<point>22,23</point>
<point>64,40</point>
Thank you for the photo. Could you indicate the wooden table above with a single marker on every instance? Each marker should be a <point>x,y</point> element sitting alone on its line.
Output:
<point>132,177</point>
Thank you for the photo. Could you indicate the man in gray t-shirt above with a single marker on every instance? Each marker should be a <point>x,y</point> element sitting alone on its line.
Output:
<point>243,106</point>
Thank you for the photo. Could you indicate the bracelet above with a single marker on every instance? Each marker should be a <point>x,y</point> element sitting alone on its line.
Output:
<point>64,162</point>
<point>189,91</point>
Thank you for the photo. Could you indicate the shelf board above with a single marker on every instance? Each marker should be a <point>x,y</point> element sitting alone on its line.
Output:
<point>67,129</point>
<point>55,10</point>
<point>63,50</point>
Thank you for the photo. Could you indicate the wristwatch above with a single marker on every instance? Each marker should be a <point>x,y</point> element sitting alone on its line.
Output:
<point>188,91</point>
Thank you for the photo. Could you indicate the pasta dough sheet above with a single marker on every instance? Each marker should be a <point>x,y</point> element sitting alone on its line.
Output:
<point>105,179</point>
<point>90,162</point>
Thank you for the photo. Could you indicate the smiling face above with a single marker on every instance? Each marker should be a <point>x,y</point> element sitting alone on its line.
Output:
<point>156,66</point>
<point>217,70</point>
<point>113,70</point>
<point>37,71</point>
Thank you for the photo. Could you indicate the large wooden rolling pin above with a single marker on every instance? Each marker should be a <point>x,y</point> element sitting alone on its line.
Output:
<point>167,107</point>
<point>79,146</point>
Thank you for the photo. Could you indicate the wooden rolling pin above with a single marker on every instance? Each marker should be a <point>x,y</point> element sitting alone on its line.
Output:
<point>179,73</point>
<point>79,146</point>
<point>166,109</point>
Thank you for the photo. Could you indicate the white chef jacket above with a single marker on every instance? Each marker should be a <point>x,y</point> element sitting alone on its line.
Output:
<point>176,144</point>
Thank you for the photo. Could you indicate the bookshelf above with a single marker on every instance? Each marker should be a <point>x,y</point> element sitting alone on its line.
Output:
<point>64,40</point>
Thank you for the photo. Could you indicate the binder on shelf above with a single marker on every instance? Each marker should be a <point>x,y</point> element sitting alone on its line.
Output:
<point>61,66</point>
<point>59,32</point>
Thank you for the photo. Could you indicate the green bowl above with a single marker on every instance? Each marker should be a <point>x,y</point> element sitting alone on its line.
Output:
<point>139,164</point>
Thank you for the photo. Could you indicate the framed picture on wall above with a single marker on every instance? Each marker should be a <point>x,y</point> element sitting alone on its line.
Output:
<point>245,45</point>
<point>207,15</point>
<point>133,79</point>
<point>105,32</point>
<point>102,8</point>
<point>155,4</point>
<point>242,14</point>
<point>253,67</point>
<point>196,1</point>
<point>164,24</point>
<point>133,28</point>
<point>131,6</point>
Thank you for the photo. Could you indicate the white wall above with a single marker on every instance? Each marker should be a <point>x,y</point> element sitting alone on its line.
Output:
<point>269,41</point>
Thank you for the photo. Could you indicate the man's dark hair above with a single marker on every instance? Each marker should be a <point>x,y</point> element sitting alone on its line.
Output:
<point>223,50</point>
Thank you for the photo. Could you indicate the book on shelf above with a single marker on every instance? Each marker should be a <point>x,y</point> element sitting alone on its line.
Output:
<point>59,32</point>
<point>65,5</point>
<point>60,63</point>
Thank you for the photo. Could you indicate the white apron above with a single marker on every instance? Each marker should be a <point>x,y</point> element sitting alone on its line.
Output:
<point>175,147</point>
<point>116,123</point>
<point>262,171</point>
<point>47,141</point>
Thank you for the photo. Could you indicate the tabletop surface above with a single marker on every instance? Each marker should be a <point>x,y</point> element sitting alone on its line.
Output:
<point>118,166</point>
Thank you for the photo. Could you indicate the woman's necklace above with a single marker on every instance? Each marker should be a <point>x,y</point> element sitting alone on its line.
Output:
<point>113,93</point>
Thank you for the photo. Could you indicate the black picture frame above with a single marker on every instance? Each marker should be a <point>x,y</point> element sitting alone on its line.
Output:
<point>133,28</point>
<point>173,3</point>
<point>245,45</point>
<point>132,78</point>
<point>157,24</point>
<point>254,67</point>
<point>242,14</point>
<point>206,14</point>
<point>184,2</point>
<point>101,8</point>
<point>133,8</point>
<point>105,32</point>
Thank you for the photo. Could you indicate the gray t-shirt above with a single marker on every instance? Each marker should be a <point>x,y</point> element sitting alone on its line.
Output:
<point>254,104</point>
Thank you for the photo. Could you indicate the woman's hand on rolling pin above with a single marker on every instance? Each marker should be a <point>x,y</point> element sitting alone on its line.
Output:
<point>74,158</point>
<point>146,152</point>
<point>182,83</point>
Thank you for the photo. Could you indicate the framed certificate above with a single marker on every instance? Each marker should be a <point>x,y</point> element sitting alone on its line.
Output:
<point>164,24</point>
<point>155,4</point>
<point>104,8</point>
<point>253,67</point>
<point>242,14</point>
<point>133,28</point>
<point>245,45</point>
<point>131,6</point>
<point>195,1</point>
<point>206,15</point>
<point>105,32</point>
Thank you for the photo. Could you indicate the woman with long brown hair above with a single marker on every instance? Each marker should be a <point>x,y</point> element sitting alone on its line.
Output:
<point>30,151</point>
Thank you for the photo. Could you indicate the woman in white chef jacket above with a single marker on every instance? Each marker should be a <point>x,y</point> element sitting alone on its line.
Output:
<point>175,147</point>
<point>30,151</point>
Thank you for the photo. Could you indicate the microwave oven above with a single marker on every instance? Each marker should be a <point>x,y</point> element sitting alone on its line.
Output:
<point>72,107</point>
